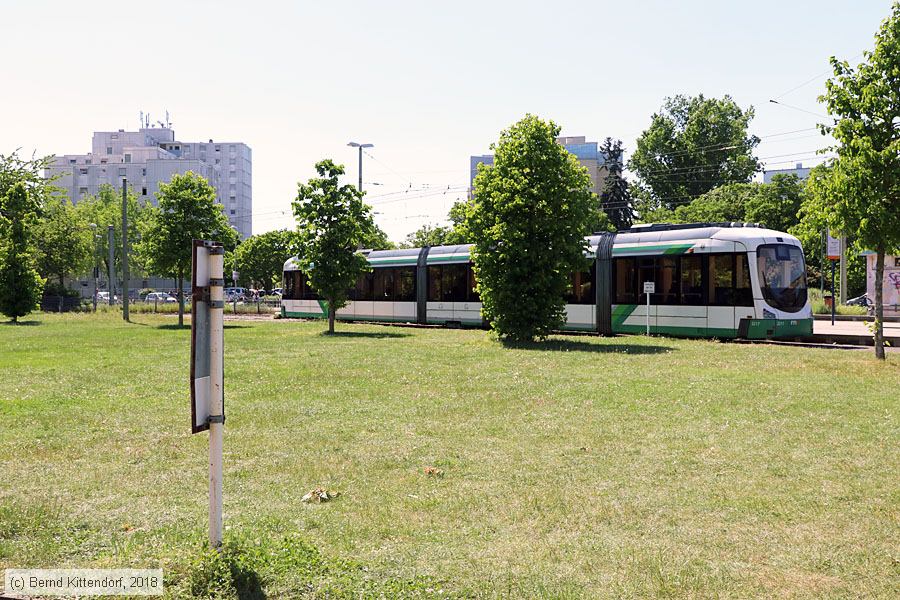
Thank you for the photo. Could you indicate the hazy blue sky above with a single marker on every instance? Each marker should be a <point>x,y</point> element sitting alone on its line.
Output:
<point>428,83</point>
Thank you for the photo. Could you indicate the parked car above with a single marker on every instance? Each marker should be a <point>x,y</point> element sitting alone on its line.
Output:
<point>233,294</point>
<point>860,301</point>
<point>277,292</point>
<point>160,297</point>
<point>103,298</point>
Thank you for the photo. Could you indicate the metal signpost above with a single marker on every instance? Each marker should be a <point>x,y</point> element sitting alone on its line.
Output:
<point>207,366</point>
<point>649,288</point>
<point>833,251</point>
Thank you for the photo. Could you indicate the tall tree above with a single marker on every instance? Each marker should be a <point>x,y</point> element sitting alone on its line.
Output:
<point>64,240</point>
<point>777,204</point>
<point>377,239</point>
<point>615,198</point>
<point>14,169</point>
<point>105,209</point>
<point>20,284</point>
<point>528,218</point>
<point>694,144</point>
<point>725,203</point>
<point>332,224</point>
<point>859,195</point>
<point>187,210</point>
<point>429,235</point>
<point>260,258</point>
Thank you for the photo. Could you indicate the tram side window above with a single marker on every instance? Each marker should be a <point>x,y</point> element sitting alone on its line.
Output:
<point>302,289</point>
<point>405,282</point>
<point>454,286</point>
<point>451,283</point>
<point>581,287</point>
<point>721,280</point>
<point>384,284</point>
<point>473,294</point>
<point>434,284</point>
<point>666,280</point>
<point>365,287</point>
<point>625,280</point>
<point>288,285</point>
<point>691,280</point>
<point>743,293</point>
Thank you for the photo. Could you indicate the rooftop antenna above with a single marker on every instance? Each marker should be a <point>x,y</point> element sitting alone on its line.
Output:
<point>161,124</point>
<point>141,122</point>
<point>168,122</point>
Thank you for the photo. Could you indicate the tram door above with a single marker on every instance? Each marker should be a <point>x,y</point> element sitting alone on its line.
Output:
<point>720,293</point>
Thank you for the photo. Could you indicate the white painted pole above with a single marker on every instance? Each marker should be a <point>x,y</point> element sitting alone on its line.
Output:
<point>216,405</point>
<point>648,313</point>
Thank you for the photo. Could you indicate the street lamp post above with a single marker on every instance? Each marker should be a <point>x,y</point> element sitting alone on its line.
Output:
<point>360,146</point>
<point>95,268</point>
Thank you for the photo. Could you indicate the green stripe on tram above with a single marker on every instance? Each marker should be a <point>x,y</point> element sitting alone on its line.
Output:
<point>394,261</point>
<point>654,249</point>
<point>448,258</point>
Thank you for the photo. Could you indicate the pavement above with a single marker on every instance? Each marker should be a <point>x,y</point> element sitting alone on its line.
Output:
<point>852,332</point>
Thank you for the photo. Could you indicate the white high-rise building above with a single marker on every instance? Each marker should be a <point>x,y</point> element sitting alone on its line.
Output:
<point>151,156</point>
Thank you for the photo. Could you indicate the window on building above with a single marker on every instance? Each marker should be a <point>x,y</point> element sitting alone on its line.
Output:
<point>88,161</point>
<point>121,171</point>
<point>231,161</point>
<point>143,172</point>
<point>71,161</point>
<point>218,148</point>
<point>82,171</point>
<point>217,161</point>
<point>102,161</point>
<point>143,191</point>
<point>109,149</point>
<point>82,191</point>
<point>127,158</point>
<point>231,147</point>
<point>232,211</point>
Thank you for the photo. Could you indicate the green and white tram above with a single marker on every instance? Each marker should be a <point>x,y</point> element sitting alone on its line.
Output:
<point>722,280</point>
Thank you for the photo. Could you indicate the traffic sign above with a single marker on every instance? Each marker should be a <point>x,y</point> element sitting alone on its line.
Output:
<point>833,248</point>
<point>649,287</point>
<point>207,366</point>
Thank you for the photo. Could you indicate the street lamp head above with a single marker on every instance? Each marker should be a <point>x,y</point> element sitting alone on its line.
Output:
<point>353,144</point>
<point>92,225</point>
<point>358,145</point>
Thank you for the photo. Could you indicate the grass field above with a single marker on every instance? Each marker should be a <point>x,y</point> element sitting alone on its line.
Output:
<point>585,467</point>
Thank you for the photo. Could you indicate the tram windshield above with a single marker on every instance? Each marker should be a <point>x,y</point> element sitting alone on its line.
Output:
<point>782,276</point>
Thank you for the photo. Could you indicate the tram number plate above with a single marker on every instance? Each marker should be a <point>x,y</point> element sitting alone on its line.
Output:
<point>649,287</point>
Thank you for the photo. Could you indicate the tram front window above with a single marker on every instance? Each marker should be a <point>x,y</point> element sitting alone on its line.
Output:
<point>782,276</point>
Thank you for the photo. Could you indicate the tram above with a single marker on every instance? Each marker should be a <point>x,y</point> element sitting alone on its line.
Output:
<point>722,280</point>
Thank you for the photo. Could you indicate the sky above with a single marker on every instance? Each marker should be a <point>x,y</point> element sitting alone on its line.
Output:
<point>429,84</point>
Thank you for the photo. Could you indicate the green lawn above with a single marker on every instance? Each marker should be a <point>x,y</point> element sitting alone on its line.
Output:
<point>587,467</point>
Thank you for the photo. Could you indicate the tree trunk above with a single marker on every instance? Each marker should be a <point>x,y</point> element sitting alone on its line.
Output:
<point>879,303</point>
<point>330,318</point>
<point>62,284</point>
<point>180,299</point>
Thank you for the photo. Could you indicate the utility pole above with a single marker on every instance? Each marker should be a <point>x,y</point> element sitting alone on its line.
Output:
<point>110,243</point>
<point>125,274</point>
<point>360,146</point>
